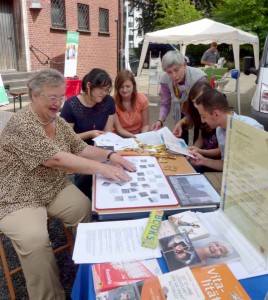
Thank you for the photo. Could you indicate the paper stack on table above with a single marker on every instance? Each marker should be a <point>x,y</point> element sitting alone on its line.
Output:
<point>112,139</point>
<point>164,136</point>
<point>111,242</point>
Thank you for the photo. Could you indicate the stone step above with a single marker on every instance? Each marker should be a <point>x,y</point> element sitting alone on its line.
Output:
<point>13,76</point>
<point>16,84</point>
<point>16,80</point>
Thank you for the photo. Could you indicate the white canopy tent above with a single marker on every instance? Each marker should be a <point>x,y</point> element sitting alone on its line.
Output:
<point>203,31</point>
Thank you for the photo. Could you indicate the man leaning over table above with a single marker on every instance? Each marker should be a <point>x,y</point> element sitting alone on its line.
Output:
<point>214,110</point>
<point>176,83</point>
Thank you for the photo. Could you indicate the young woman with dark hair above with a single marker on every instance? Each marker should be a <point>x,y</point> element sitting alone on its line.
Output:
<point>90,113</point>
<point>207,139</point>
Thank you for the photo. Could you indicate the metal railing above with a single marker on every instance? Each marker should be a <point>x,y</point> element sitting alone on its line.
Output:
<point>48,60</point>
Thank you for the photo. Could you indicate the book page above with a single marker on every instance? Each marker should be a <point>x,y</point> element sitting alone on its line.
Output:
<point>112,241</point>
<point>149,138</point>
<point>148,187</point>
<point>245,185</point>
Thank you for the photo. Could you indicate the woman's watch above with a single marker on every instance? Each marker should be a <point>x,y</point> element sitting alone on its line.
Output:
<point>109,155</point>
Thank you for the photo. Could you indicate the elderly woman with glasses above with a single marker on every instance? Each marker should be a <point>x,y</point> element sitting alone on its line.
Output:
<point>90,114</point>
<point>37,149</point>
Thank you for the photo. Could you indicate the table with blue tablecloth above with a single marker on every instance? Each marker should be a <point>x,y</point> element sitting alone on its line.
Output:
<point>83,289</point>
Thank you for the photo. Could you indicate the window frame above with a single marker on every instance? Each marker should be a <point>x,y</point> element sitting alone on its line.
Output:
<point>58,25</point>
<point>88,17</point>
<point>104,32</point>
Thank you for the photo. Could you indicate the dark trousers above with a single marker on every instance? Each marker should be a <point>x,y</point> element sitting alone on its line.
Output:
<point>84,183</point>
<point>185,135</point>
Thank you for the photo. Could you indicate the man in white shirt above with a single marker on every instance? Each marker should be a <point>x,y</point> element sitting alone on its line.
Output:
<point>214,110</point>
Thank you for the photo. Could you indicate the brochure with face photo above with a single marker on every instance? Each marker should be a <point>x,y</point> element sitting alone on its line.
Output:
<point>179,252</point>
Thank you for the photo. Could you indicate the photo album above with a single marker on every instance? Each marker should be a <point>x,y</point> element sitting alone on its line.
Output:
<point>148,187</point>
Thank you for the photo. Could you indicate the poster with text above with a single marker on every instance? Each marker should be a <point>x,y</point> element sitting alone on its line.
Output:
<point>71,52</point>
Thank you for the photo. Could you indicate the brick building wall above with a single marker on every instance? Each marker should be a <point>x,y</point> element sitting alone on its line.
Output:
<point>94,50</point>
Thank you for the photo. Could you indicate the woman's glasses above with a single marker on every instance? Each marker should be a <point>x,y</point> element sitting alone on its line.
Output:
<point>54,99</point>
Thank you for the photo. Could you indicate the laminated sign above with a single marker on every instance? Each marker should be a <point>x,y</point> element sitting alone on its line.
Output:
<point>3,94</point>
<point>71,52</point>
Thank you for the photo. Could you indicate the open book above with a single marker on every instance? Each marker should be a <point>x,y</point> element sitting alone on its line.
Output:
<point>186,222</point>
<point>186,284</point>
<point>164,136</point>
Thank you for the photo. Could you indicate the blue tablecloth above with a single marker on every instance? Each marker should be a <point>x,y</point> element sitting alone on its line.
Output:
<point>256,287</point>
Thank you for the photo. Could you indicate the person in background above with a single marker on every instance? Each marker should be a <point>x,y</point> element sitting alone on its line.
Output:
<point>37,150</point>
<point>90,114</point>
<point>132,108</point>
<point>176,83</point>
<point>214,110</point>
<point>211,56</point>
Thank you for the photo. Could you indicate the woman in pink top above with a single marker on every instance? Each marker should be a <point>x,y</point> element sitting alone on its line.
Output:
<point>132,108</point>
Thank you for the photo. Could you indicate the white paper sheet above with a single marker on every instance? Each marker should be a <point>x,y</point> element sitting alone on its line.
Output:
<point>111,242</point>
<point>112,139</point>
<point>164,136</point>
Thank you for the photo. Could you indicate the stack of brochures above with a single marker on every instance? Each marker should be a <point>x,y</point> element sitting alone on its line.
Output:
<point>186,284</point>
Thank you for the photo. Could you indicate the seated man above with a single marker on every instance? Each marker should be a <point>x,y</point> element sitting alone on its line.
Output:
<point>214,110</point>
<point>211,56</point>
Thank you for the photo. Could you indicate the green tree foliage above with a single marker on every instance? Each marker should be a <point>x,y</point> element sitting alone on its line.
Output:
<point>148,18</point>
<point>248,15</point>
<point>160,14</point>
<point>175,12</point>
<point>205,6</point>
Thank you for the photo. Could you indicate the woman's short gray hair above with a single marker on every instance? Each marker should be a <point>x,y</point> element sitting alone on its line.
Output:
<point>171,58</point>
<point>44,77</point>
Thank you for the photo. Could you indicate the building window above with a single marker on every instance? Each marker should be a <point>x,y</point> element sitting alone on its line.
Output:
<point>139,32</point>
<point>58,17</point>
<point>130,11</point>
<point>104,20</point>
<point>83,16</point>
